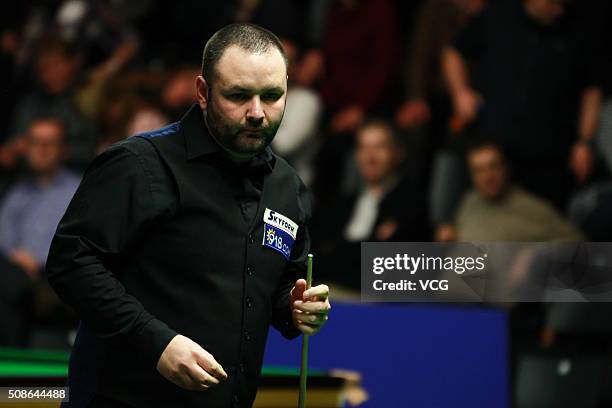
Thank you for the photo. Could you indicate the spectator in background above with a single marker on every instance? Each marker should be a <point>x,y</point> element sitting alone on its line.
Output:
<point>146,119</point>
<point>31,209</point>
<point>296,139</point>
<point>427,98</point>
<point>388,207</point>
<point>103,40</point>
<point>498,210</point>
<point>360,51</point>
<point>137,116</point>
<point>590,207</point>
<point>96,34</point>
<point>427,109</point>
<point>533,89</point>
<point>357,66</point>
<point>29,214</point>
<point>57,67</point>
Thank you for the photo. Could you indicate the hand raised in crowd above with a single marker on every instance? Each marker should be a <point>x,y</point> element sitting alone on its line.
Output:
<point>11,151</point>
<point>412,114</point>
<point>348,119</point>
<point>189,366</point>
<point>581,161</point>
<point>310,69</point>
<point>445,233</point>
<point>466,103</point>
<point>310,307</point>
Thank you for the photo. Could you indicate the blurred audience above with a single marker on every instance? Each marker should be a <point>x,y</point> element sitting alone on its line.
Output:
<point>104,41</point>
<point>427,108</point>
<point>296,139</point>
<point>146,119</point>
<point>31,209</point>
<point>426,93</point>
<point>387,207</point>
<point>499,210</point>
<point>138,116</point>
<point>57,68</point>
<point>360,53</point>
<point>590,207</point>
<point>178,93</point>
<point>357,66</point>
<point>29,214</point>
<point>533,87</point>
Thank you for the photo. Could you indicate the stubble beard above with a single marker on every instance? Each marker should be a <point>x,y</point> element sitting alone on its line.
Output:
<point>233,137</point>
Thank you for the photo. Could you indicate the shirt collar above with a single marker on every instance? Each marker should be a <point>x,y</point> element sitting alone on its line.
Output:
<point>199,142</point>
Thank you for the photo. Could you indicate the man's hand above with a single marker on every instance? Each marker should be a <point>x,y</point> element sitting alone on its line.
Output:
<point>581,161</point>
<point>466,103</point>
<point>445,233</point>
<point>189,366</point>
<point>348,119</point>
<point>309,308</point>
<point>412,114</point>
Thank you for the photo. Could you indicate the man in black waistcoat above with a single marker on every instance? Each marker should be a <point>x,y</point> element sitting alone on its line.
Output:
<point>182,245</point>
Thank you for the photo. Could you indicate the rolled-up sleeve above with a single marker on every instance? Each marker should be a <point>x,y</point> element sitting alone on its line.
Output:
<point>119,198</point>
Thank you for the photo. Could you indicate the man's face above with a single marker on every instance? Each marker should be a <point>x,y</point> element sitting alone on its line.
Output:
<point>246,100</point>
<point>55,71</point>
<point>45,148</point>
<point>488,171</point>
<point>377,155</point>
<point>546,11</point>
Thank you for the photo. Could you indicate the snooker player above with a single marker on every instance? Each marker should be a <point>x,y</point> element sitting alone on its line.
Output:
<point>182,245</point>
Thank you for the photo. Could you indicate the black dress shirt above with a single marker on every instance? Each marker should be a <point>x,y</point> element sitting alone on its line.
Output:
<point>164,237</point>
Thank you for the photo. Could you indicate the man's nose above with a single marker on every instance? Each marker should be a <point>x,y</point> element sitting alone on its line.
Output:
<point>255,110</point>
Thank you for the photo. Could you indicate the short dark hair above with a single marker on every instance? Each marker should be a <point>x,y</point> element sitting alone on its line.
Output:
<point>382,123</point>
<point>481,143</point>
<point>249,37</point>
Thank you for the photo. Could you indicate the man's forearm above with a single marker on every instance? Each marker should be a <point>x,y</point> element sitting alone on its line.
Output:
<point>590,108</point>
<point>105,307</point>
<point>454,70</point>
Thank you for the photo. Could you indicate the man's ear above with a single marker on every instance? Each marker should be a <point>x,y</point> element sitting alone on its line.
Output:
<point>202,92</point>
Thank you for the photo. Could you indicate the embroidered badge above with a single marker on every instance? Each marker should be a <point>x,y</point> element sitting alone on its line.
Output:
<point>279,232</point>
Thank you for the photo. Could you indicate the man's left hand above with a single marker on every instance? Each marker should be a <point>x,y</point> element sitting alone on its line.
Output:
<point>309,307</point>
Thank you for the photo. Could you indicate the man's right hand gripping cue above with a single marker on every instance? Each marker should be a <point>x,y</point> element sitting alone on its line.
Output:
<point>189,366</point>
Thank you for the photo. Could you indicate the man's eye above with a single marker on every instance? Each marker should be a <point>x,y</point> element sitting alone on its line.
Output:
<point>238,97</point>
<point>270,96</point>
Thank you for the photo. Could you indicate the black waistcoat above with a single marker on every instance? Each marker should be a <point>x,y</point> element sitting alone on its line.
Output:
<point>203,270</point>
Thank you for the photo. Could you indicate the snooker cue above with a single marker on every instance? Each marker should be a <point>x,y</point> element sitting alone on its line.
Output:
<point>304,364</point>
